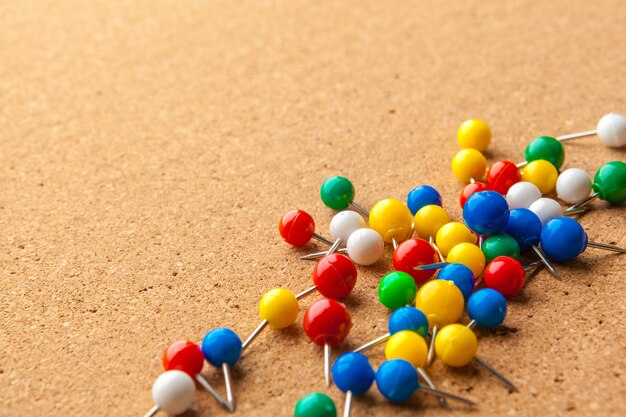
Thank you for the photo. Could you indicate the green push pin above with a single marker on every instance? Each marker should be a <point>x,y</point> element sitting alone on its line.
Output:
<point>338,194</point>
<point>609,184</point>
<point>397,289</point>
<point>315,404</point>
<point>500,245</point>
<point>547,148</point>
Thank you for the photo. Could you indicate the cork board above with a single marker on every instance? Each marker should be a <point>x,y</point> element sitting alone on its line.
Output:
<point>148,149</point>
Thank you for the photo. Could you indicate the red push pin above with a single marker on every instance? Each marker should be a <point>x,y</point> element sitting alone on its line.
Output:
<point>502,175</point>
<point>297,227</point>
<point>415,252</point>
<point>470,189</point>
<point>506,275</point>
<point>186,356</point>
<point>327,323</point>
<point>334,276</point>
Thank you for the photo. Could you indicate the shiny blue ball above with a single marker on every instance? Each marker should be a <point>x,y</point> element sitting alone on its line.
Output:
<point>221,346</point>
<point>461,275</point>
<point>486,213</point>
<point>408,318</point>
<point>563,239</point>
<point>396,380</point>
<point>352,372</point>
<point>487,307</point>
<point>421,196</point>
<point>523,226</point>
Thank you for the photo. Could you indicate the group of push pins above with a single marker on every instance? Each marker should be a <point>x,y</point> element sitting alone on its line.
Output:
<point>504,217</point>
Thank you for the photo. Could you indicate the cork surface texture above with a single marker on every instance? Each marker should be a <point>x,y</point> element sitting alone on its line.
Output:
<point>148,149</point>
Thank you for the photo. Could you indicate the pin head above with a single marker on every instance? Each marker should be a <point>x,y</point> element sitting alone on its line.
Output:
<point>441,301</point>
<point>475,134</point>
<point>456,345</point>
<point>524,226</point>
<point>451,234</point>
<point>505,275</point>
<point>541,173</point>
<point>487,307</point>
<point>428,220</point>
<point>469,255</point>
<point>315,404</point>
<point>470,189</point>
<point>221,346</point>
<point>183,355</point>
<point>469,164</point>
<point>486,213</point>
<point>296,227</point>
<point>344,223</point>
<point>279,307</point>
<point>502,175</point>
<point>365,246</point>
<point>174,392</point>
<point>396,289</point>
<point>420,196</point>
<point>573,185</point>
<point>337,193</point>
<point>408,318</point>
<point>546,209</point>
<point>500,245</point>
<point>352,372</point>
<point>610,182</point>
<point>461,275</point>
<point>397,380</point>
<point>611,130</point>
<point>563,239</point>
<point>546,148</point>
<point>327,322</point>
<point>334,276</point>
<point>409,346</point>
<point>412,253</point>
<point>522,195</point>
<point>391,219</point>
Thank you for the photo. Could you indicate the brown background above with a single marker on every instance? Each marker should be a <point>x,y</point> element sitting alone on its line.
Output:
<point>147,150</point>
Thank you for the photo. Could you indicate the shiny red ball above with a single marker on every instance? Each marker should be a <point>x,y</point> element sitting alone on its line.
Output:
<point>334,276</point>
<point>327,321</point>
<point>183,355</point>
<point>412,253</point>
<point>502,175</point>
<point>471,189</point>
<point>505,275</point>
<point>296,227</point>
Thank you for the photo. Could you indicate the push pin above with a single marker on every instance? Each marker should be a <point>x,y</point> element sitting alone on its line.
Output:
<point>397,381</point>
<point>451,234</point>
<point>327,323</point>
<point>456,345</point>
<point>365,247</point>
<point>396,289</point>
<point>173,392</point>
<point>427,222</point>
<point>315,404</point>
<point>474,134</point>
<point>297,227</point>
<point>541,173</point>
<point>573,185</point>
<point>611,130</point>
<point>186,356</point>
<point>609,184</point>
<point>486,213</point>
<point>500,245</point>
<point>463,253</point>
<point>546,209</point>
<point>342,225</point>
<point>506,275</point>
<point>353,375</point>
<point>420,196</point>
<point>461,276</point>
<point>469,165</point>
<point>522,195</point>
<point>414,252</point>
<point>486,308</point>
<point>470,189</point>
<point>337,193</point>
<point>392,220</point>
<point>544,148</point>
<point>502,175</point>
<point>222,347</point>
<point>334,276</point>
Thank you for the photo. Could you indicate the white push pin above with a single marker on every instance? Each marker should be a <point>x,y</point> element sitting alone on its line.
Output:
<point>173,392</point>
<point>522,195</point>
<point>546,209</point>
<point>611,129</point>
<point>344,223</point>
<point>365,247</point>
<point>573,185</point>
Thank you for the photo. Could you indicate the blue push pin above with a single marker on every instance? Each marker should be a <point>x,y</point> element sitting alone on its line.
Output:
<point>353,375</point>
<point>525,227</point>
<point>563,239</point>
<point>397,381</point>
<point>486,308</point>
<point>221,347</point>
<point>486,213</point>
<point>404,318</point>
<point>420,196</point>
<point>461,275</point>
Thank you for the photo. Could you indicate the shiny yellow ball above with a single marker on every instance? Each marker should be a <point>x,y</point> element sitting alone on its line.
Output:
<point>441,301</point>
<point>541,173</point>
<point>469,164</point>
<point>451,234</point>
<point>279,307</point>
<point>469,255</point>
<point>456,345</point>
<point>392,219</point>
<point>474,133</point>
<point>409,346</point>
<point>428,220</point>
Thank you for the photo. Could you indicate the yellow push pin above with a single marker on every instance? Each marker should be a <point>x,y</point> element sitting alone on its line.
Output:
<point>392,219</point>
<point>451,234</point>
<point>475,134</point>
<point>469,165</point>
<point>469,255</point>
<point>541,173</point>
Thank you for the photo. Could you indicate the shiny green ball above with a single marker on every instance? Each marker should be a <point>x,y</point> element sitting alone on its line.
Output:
<point>610,182</point>
<point>337,193</point>
<point>545,147</point>
<point>500,245</point>
<point>397,289</point>
<point>315,404</point>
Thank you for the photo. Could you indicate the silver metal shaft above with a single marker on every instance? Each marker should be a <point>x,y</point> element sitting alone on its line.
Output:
<point>577,135</point>
<point>359,209</point>
<point>583,203</point>
<point>152,411</point>
<point>446,395</point>
<point>317,255</point>
<point>334,247</point>
<point>254,334</point>
<point>431,385</point>
<point>432,266</point>
<point>604,246</point>
<point>434,245</point>
<point>521,164</point>
<point>481,239</point>
<point>395,243</point>
<point>306,292</point>
<point>322,239</point>
<point>347,407</point>
<point>373,343</point>
<point>471,324</point>
<point>229,387</point>
<point>431,348</point>
<point>545,261</point>
<point>327,364</point>
<point>478,280</point>
<point>205,384</point>
<point>532,265</point>
<point>495,373</point>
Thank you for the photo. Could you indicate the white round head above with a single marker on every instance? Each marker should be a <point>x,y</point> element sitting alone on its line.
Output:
<point>522,195</point>
<point>174,392</point>
<point>365,246</point>
<point>546,209</point>
<point>611,130</point>
<point>344,224</point>
<point>573,185</point>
